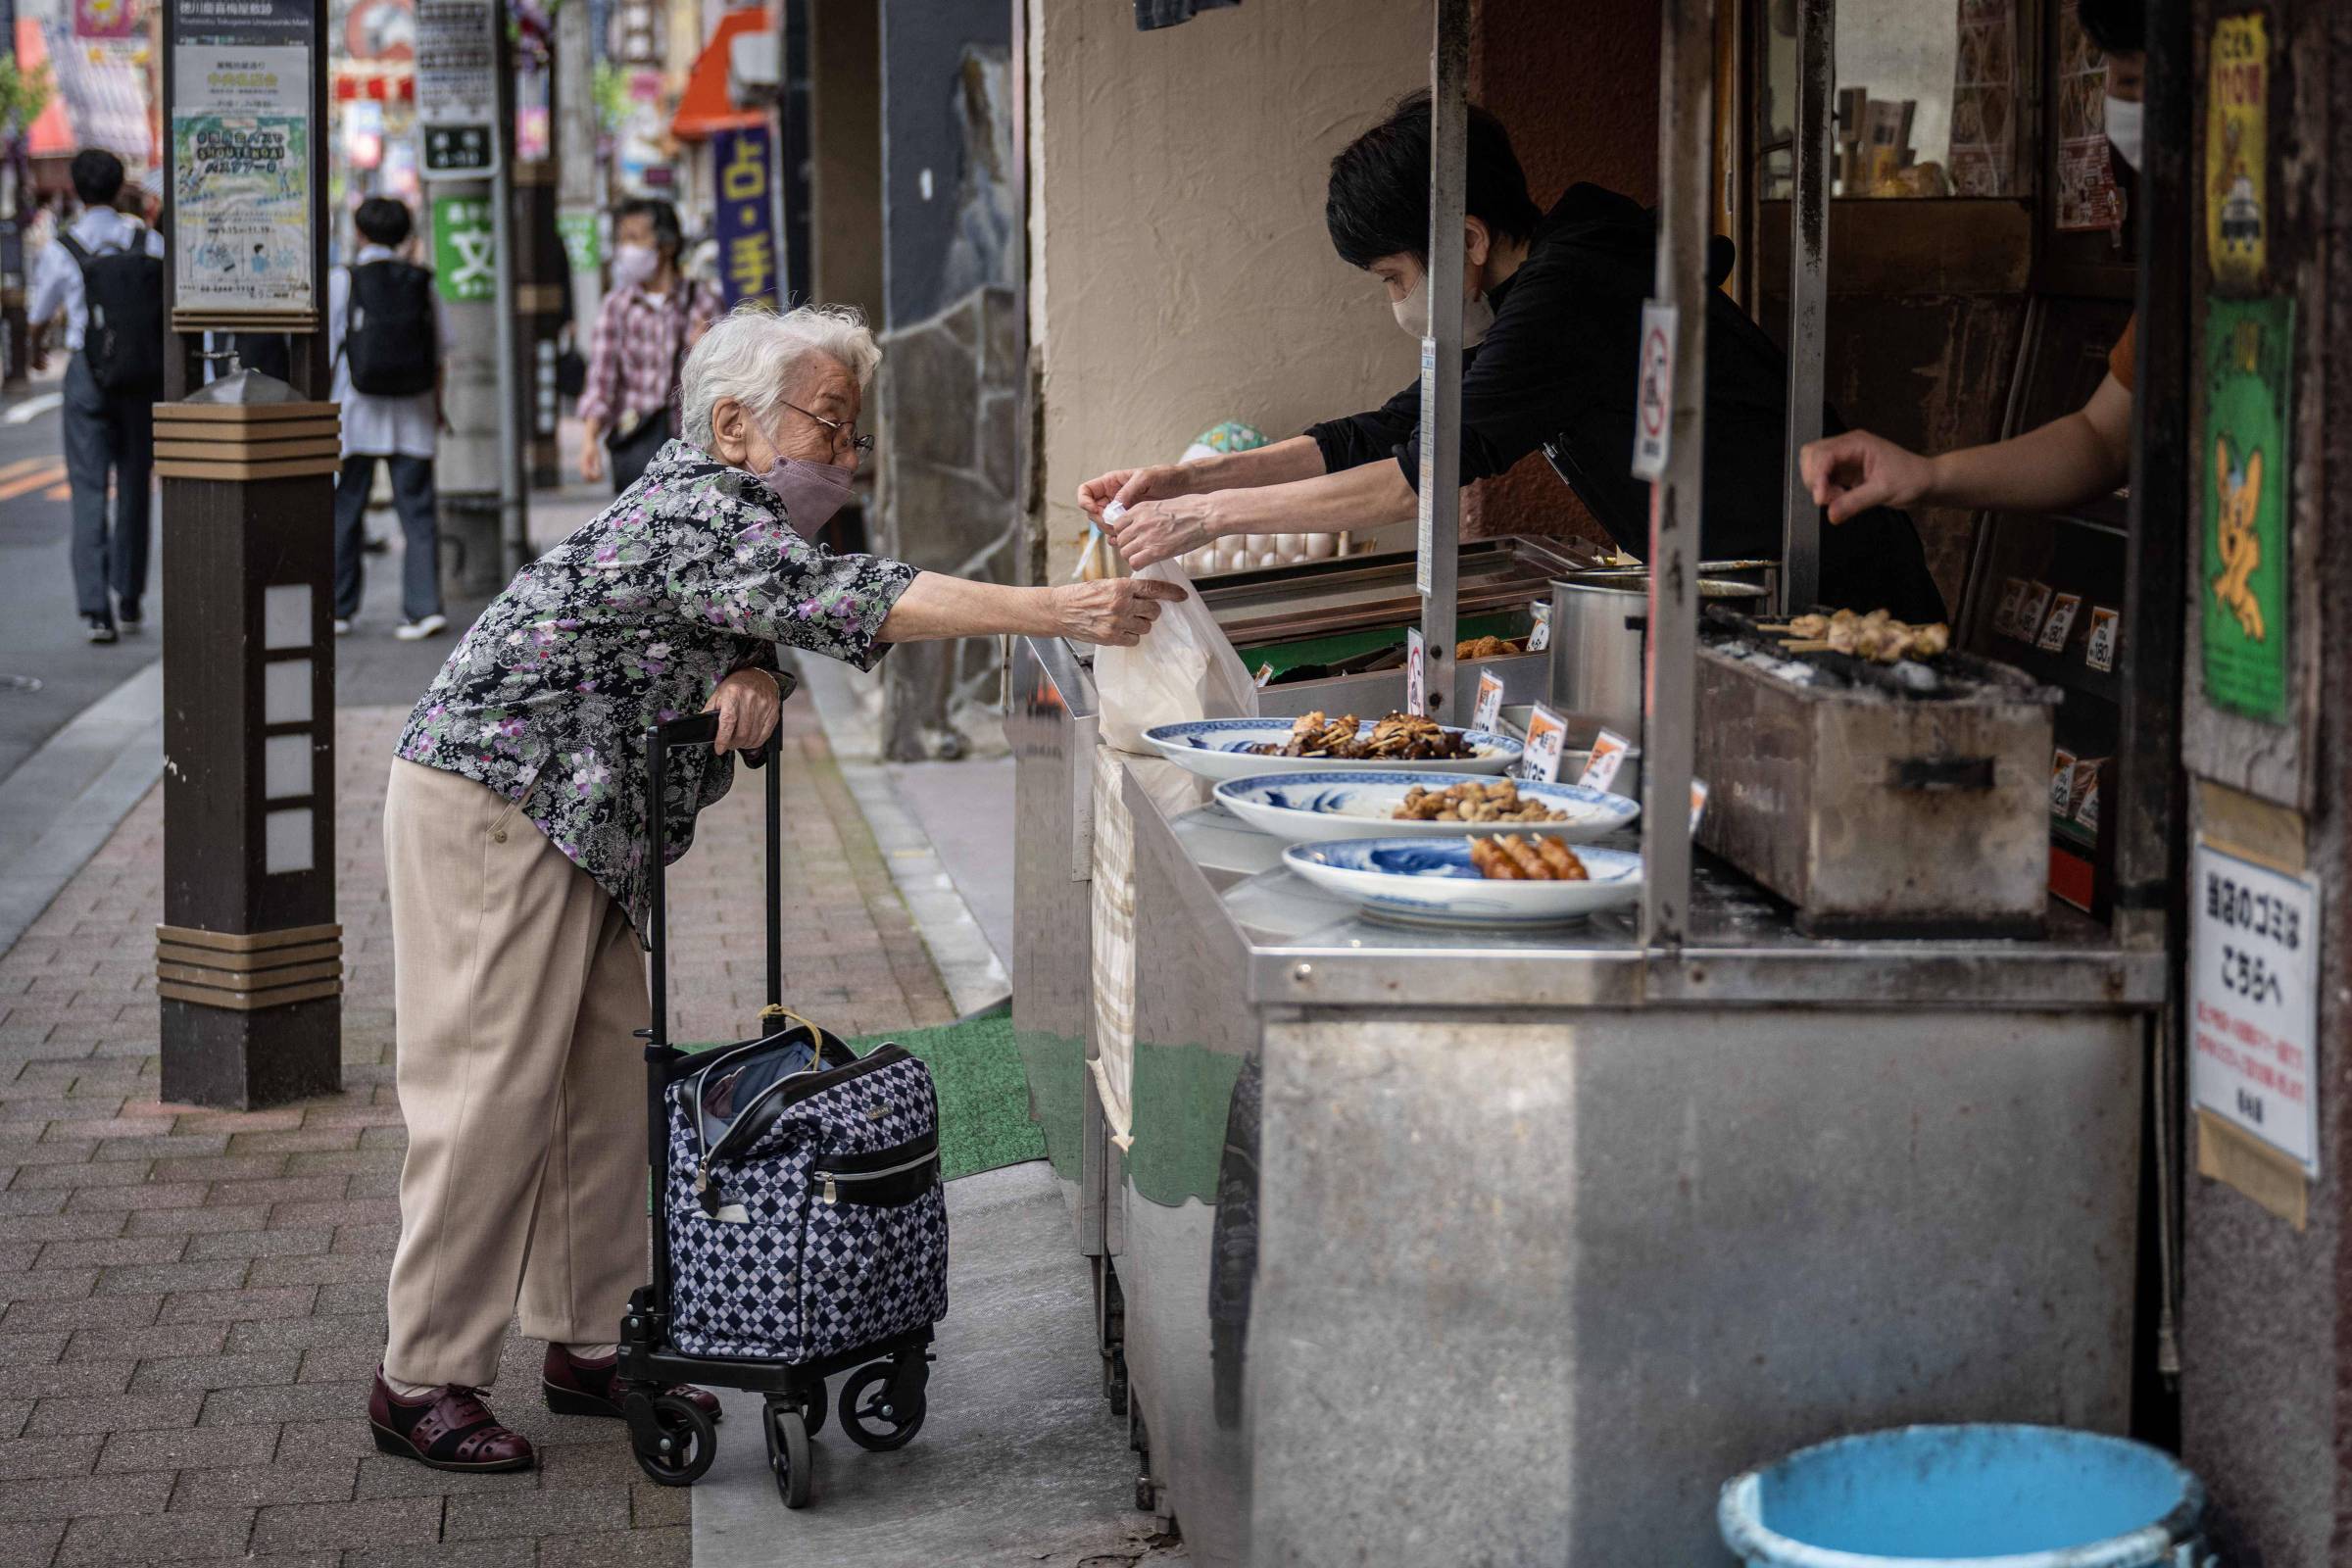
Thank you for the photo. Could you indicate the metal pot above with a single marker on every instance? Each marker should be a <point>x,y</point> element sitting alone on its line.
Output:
<point>1600,645</point>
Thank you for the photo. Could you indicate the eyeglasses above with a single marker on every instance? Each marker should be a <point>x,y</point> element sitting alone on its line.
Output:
<point>859,444</point>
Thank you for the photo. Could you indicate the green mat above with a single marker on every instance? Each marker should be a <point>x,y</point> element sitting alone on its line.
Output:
<point>983,1093</point>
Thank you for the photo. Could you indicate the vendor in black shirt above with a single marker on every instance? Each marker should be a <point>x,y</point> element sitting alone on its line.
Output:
<point>1553,310</point>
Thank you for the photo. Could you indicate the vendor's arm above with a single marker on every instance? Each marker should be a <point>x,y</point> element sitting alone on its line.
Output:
<point>2069,460</point>
<point>1362,497</point>
<point>1285,461</point>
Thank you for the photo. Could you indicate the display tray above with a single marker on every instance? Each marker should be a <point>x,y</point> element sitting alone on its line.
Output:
<point>1323,599</point>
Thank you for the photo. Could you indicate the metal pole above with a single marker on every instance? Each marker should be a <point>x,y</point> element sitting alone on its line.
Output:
<point>1808,292</point>
<point>1441,511</point>
<point>1685,147</point>
<point>512,533</point>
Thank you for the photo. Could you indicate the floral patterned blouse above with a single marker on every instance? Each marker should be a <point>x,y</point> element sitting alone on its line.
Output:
<point>692,573</point>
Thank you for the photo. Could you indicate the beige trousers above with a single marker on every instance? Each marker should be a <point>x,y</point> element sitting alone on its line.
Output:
<point>518,984</point>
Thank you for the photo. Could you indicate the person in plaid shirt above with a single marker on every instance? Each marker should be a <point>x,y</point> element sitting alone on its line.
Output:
<point>651,318</point>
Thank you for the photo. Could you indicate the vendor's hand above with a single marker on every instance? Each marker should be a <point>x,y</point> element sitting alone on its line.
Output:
<point>1851,474</point>
<point>1114,613</point>
<point>1162,530</point>
<point>592,458</point>
<point>1129,486</point>
<point>747,703</point>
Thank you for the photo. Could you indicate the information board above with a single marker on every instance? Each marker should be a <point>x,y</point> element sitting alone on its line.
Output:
<point>2254,1008</point>
<point>241,170</point>
<point>457,87</point>
<point>464,250</point>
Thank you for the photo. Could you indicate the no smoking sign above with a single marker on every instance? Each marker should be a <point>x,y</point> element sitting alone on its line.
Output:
<point>1654,400</point>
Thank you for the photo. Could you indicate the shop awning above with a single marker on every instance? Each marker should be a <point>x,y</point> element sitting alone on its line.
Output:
<point>704,108</point>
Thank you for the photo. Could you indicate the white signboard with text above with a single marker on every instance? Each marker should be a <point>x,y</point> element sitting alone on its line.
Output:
<point>2254,1008</point>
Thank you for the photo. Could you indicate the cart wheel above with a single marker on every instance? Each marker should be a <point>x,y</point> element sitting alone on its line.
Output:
<point>676,1443</point>
<point>866,1414</point>
<point>812,1407</point>
<point>788,1452</point>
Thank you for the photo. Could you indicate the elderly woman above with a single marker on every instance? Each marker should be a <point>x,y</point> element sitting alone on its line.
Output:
<point>514,843</point>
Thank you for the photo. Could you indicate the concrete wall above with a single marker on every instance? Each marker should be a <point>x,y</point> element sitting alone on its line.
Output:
<point>1179,269</point>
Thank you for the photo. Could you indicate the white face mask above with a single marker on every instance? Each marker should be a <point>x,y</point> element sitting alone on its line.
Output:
<point>1412,313</point>
<point>634,264</point>
<point>2123,129</point>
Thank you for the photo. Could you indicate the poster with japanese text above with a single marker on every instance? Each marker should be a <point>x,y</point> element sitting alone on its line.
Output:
<point>2088,197</point>
<point>747,235</point>
<point>2236,151</point>
<point>1984,155</point>
<point>464,250</point>
<point>2243,592</point>
<point>241,179</point>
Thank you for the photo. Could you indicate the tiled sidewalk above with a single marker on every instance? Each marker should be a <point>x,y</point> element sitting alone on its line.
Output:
<point>194,1300</point>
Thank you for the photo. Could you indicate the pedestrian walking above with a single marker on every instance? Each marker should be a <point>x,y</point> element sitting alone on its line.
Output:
<point>104,281</point>
<point>651,318</point>
<point>386,339</point>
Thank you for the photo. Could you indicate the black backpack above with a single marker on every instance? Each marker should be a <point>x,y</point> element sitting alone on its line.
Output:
<point>391,342</point>
<point>124,291</point>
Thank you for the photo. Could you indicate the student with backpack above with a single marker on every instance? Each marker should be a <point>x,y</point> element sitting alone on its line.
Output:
<point>385,336</point>
<point>104,278</point>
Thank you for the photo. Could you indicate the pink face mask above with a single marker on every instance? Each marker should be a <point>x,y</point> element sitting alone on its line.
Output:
<point>811,491</point>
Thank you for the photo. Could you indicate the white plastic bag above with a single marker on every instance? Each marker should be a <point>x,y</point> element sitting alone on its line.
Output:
<point>1184,669</point>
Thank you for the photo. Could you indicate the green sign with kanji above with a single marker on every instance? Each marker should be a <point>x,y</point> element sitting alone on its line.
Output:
<point>464,254</point>
<point>2242,593</point>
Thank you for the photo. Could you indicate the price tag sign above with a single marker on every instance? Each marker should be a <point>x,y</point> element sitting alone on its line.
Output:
<point>1653,393</point>
<point>1416,673</point>
<point>2061,623</point>
<point>2254,1010</point>
<point>2004,613</point>
<point>1265,673</point>
<point>2062,783</point>
<point>2029,607</point>
<point>1539,630</point>
<point>1489,708</point>
<point>1603,762</point>
<point>1699,802</point>
<point>2098,650</point>
<point>1547,736</point>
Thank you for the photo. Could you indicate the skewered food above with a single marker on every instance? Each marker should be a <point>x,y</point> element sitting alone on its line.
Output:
<point>1400,737</point>
<point>1486,647</point>
<point>1494,801</point>
<point>1876,636</point>
<point>1508,857</point>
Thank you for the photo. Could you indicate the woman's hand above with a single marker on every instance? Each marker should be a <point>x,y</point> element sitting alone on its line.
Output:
<point>592,453</point>
<point>1162,530</point>
<point>1159,483</point>
<point>1114,613</point>
<point>747,703</point>
<point>1851,474</point>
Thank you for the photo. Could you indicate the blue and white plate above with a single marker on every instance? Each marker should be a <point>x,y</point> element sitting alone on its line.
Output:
<point>1219,749</point>
<point>1315,806</point>
<point>1433,882</point>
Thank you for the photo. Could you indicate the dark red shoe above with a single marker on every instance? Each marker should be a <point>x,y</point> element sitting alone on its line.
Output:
<point>576,1386</point>
<point>447,1428</point>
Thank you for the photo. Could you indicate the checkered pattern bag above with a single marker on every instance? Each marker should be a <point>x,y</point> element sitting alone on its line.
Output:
<point>813,1222</point>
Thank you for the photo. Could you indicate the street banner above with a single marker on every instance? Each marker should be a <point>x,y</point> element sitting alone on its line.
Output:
<point>746,212</point>
<point>103,19</point>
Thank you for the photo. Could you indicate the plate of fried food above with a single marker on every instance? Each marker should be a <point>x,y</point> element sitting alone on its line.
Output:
<point>1313,743</point>
<point>1315,806</point>
<point>1513,879</point>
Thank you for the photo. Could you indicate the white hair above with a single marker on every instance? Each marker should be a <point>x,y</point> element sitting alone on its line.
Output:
<point>754,356</point>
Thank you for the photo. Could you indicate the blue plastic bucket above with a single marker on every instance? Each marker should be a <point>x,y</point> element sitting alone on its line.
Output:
<point>1966,1497</point>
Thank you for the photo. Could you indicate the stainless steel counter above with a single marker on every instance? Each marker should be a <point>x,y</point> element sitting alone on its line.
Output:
<point>1434,1248</point>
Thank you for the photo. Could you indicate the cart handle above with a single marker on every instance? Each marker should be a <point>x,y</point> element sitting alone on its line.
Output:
<point>701,729</point>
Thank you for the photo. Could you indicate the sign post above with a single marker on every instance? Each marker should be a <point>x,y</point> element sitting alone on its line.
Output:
<point>465,119</point>
<point>249,957</point>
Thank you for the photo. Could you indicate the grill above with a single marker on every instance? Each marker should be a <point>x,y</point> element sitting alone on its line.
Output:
<point>1903,800</point>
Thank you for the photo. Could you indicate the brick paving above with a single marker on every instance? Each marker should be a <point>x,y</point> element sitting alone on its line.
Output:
<point>191,1301</point>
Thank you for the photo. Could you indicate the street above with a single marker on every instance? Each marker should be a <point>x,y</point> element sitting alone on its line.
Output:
<point>41,633</point>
